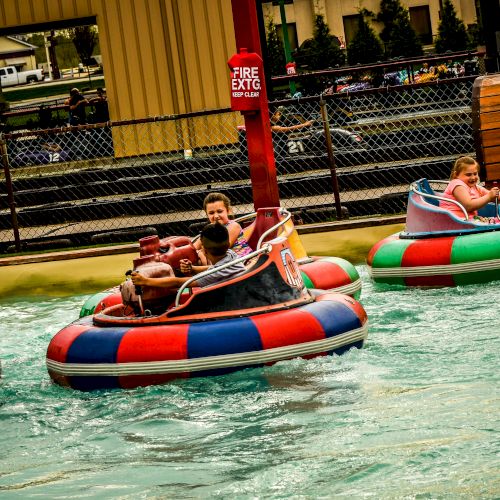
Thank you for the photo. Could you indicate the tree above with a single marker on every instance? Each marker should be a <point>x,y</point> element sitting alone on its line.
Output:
<point>475,36</point>
<point>399,37</point>
<point>366,46</point>
<point>275,50</point>
<point>390,10</point>
<point>66,53</point>
<point>40,52</point>
<point>452,34</point>
<point>325,48</point>
<point>67,56</point>
<point>84,38</point>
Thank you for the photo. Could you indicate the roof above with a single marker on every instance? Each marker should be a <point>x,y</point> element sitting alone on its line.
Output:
<point>22,42</point>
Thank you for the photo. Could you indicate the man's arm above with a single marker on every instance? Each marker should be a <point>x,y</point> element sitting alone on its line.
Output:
<point>279,128</point>
<point>171,283</point>
<point>80,102</point>
<point>187,267</point>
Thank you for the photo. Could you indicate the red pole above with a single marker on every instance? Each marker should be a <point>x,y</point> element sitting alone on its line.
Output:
<point>258,129</point>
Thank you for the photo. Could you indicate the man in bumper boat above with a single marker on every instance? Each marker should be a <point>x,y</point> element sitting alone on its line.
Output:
<point>215,243</point>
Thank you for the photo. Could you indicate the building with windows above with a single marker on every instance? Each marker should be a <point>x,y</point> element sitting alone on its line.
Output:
<point>15,52</point>
<point>342,17</point>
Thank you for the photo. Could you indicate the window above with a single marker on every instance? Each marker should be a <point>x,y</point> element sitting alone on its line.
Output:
<point>292,34</point>
<point>351,26</point>
<point>420,21</point>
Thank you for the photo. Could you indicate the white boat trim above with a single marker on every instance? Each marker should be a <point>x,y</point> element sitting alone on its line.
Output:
<point>465,267</point>
<point>349,289</point>
<point>209,362</point>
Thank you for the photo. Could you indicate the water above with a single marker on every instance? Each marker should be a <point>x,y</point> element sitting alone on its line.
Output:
<point>413,415</point>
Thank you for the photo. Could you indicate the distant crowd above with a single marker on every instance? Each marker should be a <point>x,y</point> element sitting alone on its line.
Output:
<point>425,73</point>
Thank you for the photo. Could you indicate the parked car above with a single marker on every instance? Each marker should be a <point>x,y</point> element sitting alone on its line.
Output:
<point>9,76</point>
<point>308,140</point>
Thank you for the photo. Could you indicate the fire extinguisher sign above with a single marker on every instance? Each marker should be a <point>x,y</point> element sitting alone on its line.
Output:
<point>245,82</point>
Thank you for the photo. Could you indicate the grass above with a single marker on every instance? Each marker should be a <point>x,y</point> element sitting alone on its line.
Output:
<point>38,91</point>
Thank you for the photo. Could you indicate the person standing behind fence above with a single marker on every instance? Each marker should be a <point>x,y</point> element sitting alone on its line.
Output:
<point>100,103</point>
<point>281,122</point>
<point>76,103</point>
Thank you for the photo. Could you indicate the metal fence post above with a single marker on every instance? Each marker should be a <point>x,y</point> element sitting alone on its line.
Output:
<point>331,156</point>
<point>10,193</point>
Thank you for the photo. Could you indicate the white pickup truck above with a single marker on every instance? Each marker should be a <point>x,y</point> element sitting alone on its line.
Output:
<point>10,76</point>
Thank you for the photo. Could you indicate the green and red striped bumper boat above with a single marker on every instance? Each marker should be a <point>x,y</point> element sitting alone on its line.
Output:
<point>437,248</point>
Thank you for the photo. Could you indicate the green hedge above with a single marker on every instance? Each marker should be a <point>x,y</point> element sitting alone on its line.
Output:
<point>35,91</point>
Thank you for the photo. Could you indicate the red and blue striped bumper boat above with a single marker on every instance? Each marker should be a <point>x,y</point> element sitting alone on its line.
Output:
<point>328,273</point>
<point>261,317</point>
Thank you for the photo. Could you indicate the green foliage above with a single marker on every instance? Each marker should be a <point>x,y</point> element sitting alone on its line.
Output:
<point>399,37</point>
<point>390,10</point>
<point>275,50</point>
<point>84,38</point>
<point>366,46</point>
<point>40,53</point>
<point>66,54</point>
<point>475,37</point>
<point>452,34</point>
<point>323,49</point>
<point>328,53</point>
<point>404,40</point>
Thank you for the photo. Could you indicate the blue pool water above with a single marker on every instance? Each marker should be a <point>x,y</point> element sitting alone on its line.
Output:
<point>413,415</point>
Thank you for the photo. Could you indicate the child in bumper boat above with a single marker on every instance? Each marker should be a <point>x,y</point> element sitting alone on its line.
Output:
<point>464,188</point>
<point>218,208</point>
<point>215,245</point>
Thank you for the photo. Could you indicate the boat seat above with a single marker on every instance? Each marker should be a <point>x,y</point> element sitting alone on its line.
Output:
<point>248,290</point>
<point>425,187</point>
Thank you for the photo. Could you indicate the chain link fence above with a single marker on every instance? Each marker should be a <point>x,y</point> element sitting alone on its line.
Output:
<point>120,181</point>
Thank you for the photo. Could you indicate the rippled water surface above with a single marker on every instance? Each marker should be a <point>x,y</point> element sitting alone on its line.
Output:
<point>413,415</point>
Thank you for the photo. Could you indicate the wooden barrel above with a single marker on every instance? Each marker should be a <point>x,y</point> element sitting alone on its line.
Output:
<point>486,125</point>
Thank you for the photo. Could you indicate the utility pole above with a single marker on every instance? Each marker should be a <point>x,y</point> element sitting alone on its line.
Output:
<point>50,47</point>
<point>46,36</point>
